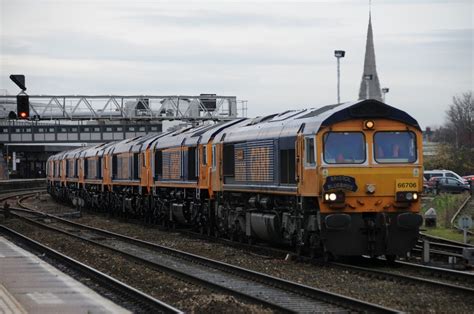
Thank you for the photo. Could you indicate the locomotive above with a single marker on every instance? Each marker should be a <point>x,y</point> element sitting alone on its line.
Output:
<point>341,180</point>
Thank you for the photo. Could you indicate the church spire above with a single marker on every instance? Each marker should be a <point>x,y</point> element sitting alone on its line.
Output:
<point>373,90</point>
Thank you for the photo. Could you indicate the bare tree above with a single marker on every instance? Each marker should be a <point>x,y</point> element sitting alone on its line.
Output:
<point>460,120</point>
<point>456,137</point>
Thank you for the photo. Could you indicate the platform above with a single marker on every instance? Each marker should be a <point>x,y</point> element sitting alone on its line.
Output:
<point>30,285</point>
<point>13,184</point>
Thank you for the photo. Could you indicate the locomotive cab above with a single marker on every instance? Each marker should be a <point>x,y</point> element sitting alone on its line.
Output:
<point>370,182</point>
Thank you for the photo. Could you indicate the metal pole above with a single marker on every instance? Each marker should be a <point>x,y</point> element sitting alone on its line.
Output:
<point>338,81</point>
<point>8,166</point>
<point>465,235</point>
<point>14,161</point>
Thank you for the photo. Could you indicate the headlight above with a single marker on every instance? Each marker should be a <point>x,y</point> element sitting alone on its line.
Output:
<point>407,196</point>
<point>334,197</point>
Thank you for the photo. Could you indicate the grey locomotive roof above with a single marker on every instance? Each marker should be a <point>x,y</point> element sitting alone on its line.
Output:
<point>137,144</point>
<point>219,128</point>
<point>288,123</point>
<point>123,146</point>
<point>105,148</point>
<point>75,152</point>
<point>182,136</point>
<point>58,155</point>
<point>93,151</point>
<point>285,124</point>
<point>144,142</point>
<point>177,138</point>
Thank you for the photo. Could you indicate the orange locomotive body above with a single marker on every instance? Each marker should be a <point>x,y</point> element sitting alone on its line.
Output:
<point>342,179</point>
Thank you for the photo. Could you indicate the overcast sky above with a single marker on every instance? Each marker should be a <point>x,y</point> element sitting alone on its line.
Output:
<point>277,55</point>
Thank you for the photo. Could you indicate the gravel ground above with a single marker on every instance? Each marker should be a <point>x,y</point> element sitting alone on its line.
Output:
<point>402,296</point>
<point>187,297</point>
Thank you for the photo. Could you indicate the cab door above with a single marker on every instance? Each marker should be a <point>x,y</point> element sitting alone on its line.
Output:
<point>307,156</point>
<point>203,166</point>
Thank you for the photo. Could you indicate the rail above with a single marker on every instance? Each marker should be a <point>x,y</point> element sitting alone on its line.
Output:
<point>274,292</point>
<point>148,303</point>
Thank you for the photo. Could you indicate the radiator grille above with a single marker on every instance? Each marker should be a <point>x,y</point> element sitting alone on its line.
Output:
<point>254,161</point>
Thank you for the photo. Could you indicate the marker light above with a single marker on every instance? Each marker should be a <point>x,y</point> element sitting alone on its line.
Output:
<point>369,124</point>
<point>23,114</point>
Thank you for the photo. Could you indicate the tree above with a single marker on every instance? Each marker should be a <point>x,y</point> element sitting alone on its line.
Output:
<point>460,116</point>
<point>456,136</point>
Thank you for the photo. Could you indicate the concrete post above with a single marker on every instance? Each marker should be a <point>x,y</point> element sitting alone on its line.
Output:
<point>426,252</point>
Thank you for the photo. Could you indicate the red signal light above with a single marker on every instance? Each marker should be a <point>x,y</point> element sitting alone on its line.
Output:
<point>23,106</point>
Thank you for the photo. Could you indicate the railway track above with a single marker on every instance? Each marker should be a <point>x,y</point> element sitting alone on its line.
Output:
<point>441,247</point>
<point>421,274</point>
<point>400,271</point>
<point>6,194</point>
<point>273,292</point>
<point>465,278</point>
<point>444,248</point>
<point>138,300</point>
<point>459,282</point>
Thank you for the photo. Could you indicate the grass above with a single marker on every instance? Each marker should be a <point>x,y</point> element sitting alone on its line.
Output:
<point>446,206</point>
<point>447,233</point>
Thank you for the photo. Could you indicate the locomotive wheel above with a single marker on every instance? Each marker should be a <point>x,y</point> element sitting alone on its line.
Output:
<point>391,257</point>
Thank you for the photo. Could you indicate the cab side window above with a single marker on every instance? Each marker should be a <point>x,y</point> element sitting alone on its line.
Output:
<point>204,155</point>
<point>214,161</point>
<point>310,155</point>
